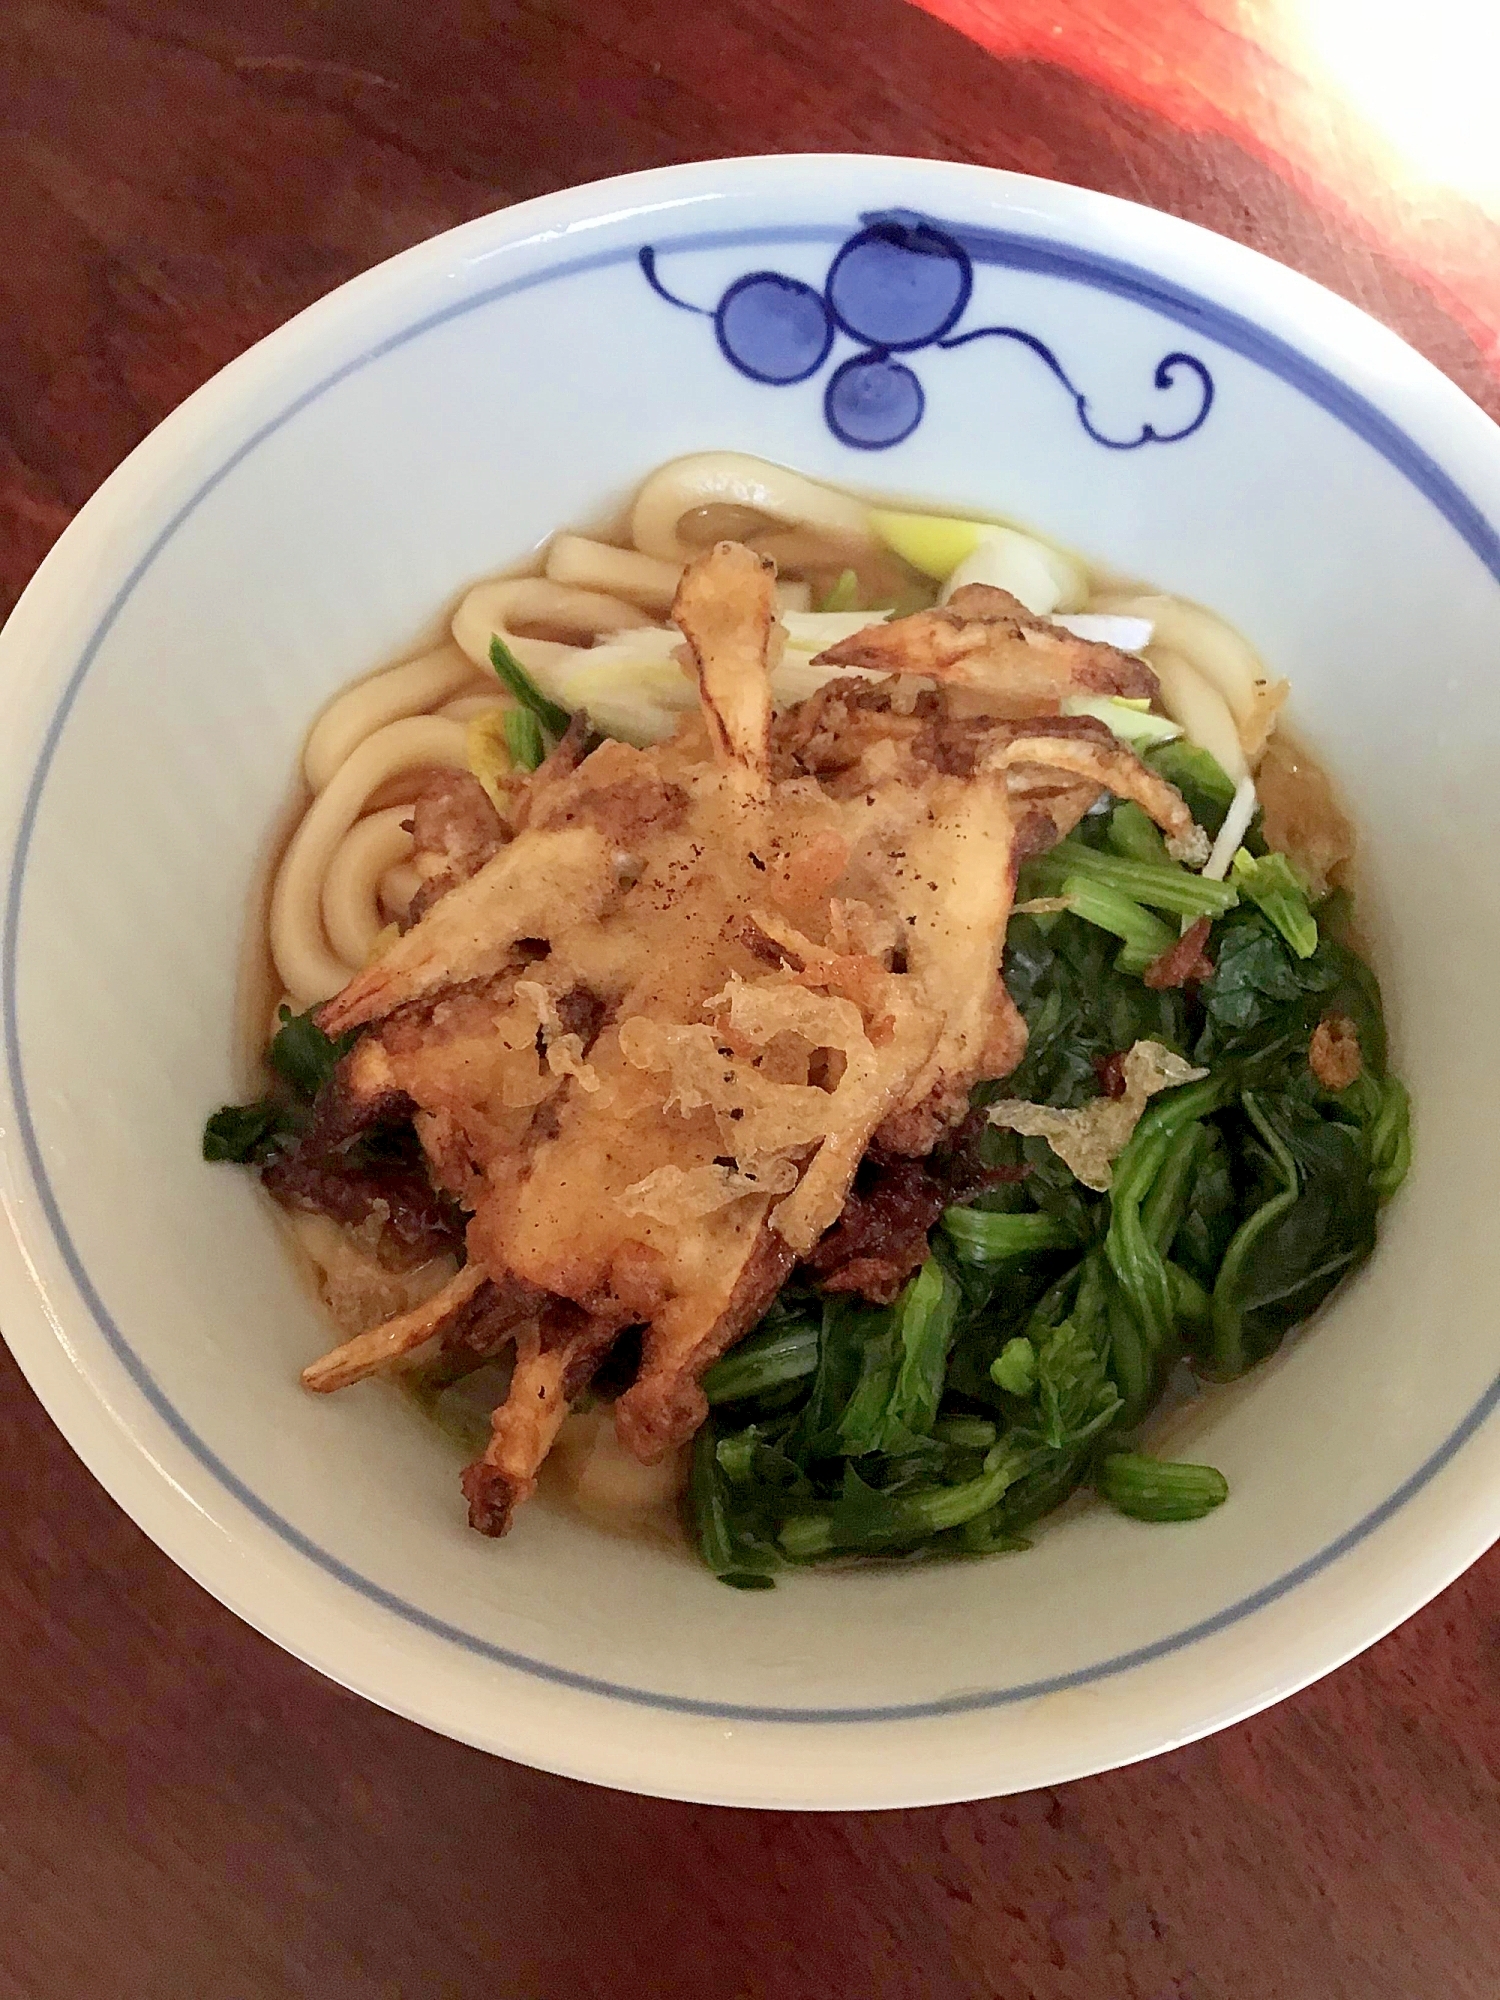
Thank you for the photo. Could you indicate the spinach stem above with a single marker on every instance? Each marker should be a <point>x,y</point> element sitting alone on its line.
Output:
<point>1143,936</point>
<point>1228,1313</point>
<point>915,1517</point>
<point>707,1500</point>
<point>767,1360</point>
<point>1161,885</point>
<point>982,1237</point>
<point>1134,1255</point>
<point>1163,1209</point>
<point>1129,1362</point>
<point>1161,1489</point>
<point>1132,835</point>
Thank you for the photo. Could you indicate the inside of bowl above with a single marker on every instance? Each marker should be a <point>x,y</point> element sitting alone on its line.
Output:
<point>338,522</point>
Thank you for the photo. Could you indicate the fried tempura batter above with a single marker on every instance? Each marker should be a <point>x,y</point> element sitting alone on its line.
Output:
<point>648,1043</point>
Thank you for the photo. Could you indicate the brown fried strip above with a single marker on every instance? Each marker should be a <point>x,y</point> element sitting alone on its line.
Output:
<point>369,1352</point>
<point>986,639</point>
<point>726,609</point>
<point>1182,963</point>
<point>555,1360</point>
<point>664,1405</point>
<point>881,1237</point>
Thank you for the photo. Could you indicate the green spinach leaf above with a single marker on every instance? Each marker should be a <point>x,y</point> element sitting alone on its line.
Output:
<point>246,1134</point>
<point>303,1056</point>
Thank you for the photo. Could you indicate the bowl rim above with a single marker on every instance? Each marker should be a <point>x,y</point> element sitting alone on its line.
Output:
<point>36,1320</point>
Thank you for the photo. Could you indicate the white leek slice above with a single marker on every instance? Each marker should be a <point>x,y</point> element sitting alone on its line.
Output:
<point>811,631</point>
<point>1126,635</point>
<point>634,705</point>
<point>1133,725</point>
<point>1043,578</point>
<point>943,547</point>
<point>632,686</point>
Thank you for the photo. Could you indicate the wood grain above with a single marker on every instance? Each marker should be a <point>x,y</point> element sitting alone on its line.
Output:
<point>186,1813</point>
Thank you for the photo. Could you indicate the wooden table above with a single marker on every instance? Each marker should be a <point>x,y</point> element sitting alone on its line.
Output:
<point>187,1814</point>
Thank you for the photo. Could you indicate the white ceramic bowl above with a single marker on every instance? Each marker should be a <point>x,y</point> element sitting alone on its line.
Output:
<point>312,511</point>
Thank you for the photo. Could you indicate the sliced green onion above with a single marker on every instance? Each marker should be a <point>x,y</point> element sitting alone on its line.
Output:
<point>935,544</point>
<point>1136,726</point>
<point>844,593</point>
<point>553,719</point>
<point>524,739</point>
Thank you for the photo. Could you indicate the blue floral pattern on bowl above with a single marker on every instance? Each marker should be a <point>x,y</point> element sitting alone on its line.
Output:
<point>896,286</point>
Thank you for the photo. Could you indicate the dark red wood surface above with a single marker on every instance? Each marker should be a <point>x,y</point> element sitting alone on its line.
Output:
<point>185,1813</point>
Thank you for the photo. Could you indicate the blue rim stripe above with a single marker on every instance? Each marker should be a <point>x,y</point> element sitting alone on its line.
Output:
<point>1046,257</point>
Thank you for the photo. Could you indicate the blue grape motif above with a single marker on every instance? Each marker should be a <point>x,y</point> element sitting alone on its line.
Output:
<point>899,285</point>
<point>873,402</point>
<point>896,286</point>
<point>773,329</point>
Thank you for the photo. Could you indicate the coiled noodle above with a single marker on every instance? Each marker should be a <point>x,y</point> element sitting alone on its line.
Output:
<point>309,967</point>
<point>413,688</point>
<point>731,478</point>
<point>351,899</point>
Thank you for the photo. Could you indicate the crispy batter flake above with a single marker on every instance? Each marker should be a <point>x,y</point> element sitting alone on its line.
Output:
<point>1091,1138</point>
